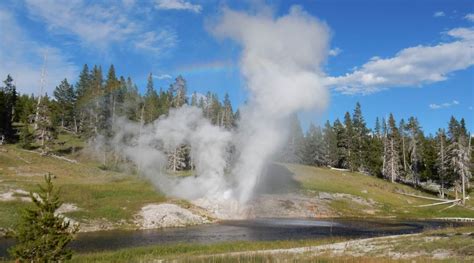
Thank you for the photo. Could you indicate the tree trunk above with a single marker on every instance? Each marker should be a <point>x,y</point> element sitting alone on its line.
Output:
<point>392,161</point>
<point>404,155</point>
<point>463,179</point>
<point>442,174</point>
<point>75,124</point>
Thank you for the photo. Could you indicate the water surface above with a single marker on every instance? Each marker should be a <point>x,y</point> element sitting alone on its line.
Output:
<point>269,229</point>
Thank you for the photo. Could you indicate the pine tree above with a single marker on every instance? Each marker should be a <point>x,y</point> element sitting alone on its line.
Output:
<point>41,235</point>
<point>342,155</point>
<point>403,128</point>
<point>84,102</point>
<point>26,137</point>
<point>330,144</point>
<point>97,101</point>
<point>151,101</point>
<point>293,150</point>
<point>194,100</point>
<point>349,143</point>
<point>66,100</point>
<point>227,113</point>
<point>459,153</point>
<point>132,101</point>
<point>24,108</point>
<point>375,154</point>
<point>109,102</point>
<point>378,128</point>
<point>215,110</point>
<point>442,161</point>
<point>8,97</point>
<point>178,91</point>
<point>314,147</point>
<point>360,139</point>
<point>391,163</point>
<point>415,149</point>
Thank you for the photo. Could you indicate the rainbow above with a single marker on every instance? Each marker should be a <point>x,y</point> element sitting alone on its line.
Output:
<point>205,67</point>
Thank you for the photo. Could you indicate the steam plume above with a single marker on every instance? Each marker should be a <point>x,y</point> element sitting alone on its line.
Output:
<point>281,62</point>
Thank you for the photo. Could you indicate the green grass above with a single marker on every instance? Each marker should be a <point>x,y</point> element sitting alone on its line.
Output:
<point>183,251</point>
<point>459,244</point>
<point>102,195</point>
<point>390,203</point>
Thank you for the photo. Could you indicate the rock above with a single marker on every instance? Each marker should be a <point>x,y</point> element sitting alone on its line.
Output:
<point>66,208</point>
<point>15,194</point>
<point>364,191</point>
<point>167,215</point>
<point>326,196</point>
<point>288,206</point>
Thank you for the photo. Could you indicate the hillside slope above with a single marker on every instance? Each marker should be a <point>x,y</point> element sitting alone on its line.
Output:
<point>101,199</point>
<point>355,194</point>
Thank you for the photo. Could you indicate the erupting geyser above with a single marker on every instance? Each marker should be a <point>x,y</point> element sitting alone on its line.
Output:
<point>281,62</point>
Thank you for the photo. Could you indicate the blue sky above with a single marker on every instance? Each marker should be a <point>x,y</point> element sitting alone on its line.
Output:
<point>372,41</point>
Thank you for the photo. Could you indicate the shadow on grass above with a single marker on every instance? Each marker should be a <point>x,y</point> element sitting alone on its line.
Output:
<point>277,179</point>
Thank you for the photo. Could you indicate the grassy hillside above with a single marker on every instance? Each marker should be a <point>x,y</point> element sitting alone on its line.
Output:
<point>388,200</point>
<point>110,199</point>
<point>103,197</point>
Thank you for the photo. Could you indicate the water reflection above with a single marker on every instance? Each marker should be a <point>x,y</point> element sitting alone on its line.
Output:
<point>245,230</point>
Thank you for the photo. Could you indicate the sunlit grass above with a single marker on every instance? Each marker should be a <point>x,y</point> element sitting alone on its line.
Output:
<point>390,202</point>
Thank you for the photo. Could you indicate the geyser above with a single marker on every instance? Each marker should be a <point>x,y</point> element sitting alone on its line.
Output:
<point>281,62</point>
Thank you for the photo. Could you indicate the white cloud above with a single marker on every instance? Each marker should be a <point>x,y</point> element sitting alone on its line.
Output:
<point>150,40</point>
<point>335,51</point>
<point>98,26</point>
<point>410,67</point>
<point>177,5</point>
<point>469,17</point>
<point>439,14</point>
<point>435,106</point>
<point>163,76</point>
<point>22,58</point>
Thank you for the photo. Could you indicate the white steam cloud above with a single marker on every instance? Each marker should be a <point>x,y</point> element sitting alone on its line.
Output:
<point>281,62</point>
<point>148,147</point>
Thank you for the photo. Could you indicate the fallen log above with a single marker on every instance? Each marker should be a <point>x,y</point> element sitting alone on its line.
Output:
<point>63,158</point>
<point>423,197</point>
<point>440,203</point>
<point>23,159</point>
<point>446,208</point>
<point>52,155</point>
<point>339,169</point>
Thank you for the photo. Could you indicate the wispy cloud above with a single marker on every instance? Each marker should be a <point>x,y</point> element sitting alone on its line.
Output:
<point>410,67</point>
<point>22,58</point>
<point>469,17</point>
<point>99,25</point>
<point>435,106</point>
<point>178,5</point>
<point>335,51</point>
<point>439,14</point>
<point>157,42</point>
<point>162,76</point>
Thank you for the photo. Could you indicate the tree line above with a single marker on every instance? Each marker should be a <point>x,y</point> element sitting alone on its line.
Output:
<point>398,152</point>
<point>90,107</point>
